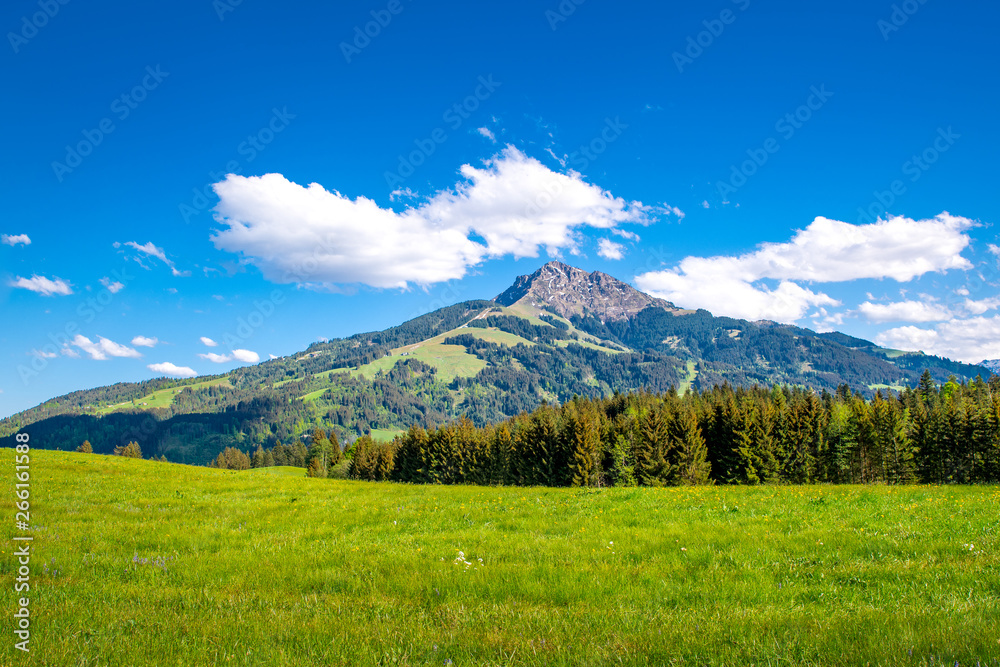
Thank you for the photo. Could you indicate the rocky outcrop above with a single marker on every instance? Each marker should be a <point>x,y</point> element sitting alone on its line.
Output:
<point>571,291</point>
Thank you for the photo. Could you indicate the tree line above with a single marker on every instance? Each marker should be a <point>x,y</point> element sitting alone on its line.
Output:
<point>931,434</point>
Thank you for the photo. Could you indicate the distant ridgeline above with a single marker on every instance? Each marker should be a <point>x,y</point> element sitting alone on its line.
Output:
<point>743,436</point>
<point>556,334</point>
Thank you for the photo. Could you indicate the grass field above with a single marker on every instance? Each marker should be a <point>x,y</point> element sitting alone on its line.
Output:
<point>451,361</point>
<point>163,398</point>
<point>143,563</point>
<point>313,395</point>
<point>692,374</point>
<point>386,434</point>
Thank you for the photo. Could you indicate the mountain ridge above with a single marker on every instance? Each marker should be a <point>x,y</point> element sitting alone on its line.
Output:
<point>554,334</point>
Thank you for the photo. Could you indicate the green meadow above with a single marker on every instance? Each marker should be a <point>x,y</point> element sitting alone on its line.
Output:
<point>144,563</point>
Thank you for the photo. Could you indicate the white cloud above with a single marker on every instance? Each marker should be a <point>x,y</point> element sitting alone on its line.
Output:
<point>104,348</point>
<point>151,250</point>
<point>70,352</point>
<point>608,249</point>
<point>514,205</point>
<point>970,340</point>
<point>246,356</point>
<point>994,248</point>
<point>172,370</point>
<point>981,306</point>
<point>142,341</point>
<point>823,320</point>
<point>705,204</point>
<point>43,354</point>
<point>625,234</point>
<point>44,286</point>
<point>208,341</point>
<point>14,239</point>
<point>272,356</point>
<point>113,287</point>
<point>825,251</point>
<point>904,311</point>
<point>485,131</point>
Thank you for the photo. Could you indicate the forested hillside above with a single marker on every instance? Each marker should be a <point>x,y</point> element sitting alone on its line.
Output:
<point>485,361</point>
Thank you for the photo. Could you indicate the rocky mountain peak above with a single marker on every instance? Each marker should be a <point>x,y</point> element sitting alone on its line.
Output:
<point>572,291</point>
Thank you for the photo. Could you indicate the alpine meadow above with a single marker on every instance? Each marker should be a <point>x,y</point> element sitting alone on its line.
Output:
<point>572,333</point>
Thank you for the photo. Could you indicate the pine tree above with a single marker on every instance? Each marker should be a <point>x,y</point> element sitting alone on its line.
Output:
<point>623,462</point>
<point>336,453</point>
<point>298,455</point>
<point>720,431</point>
<point>651,455</point>
<point>131,450</point>
<point>384,459</point>
<point>749,466</point>
<point>315,469</point>
<point>501,454</point>
<point>926,388</point>
<point>364,459</point>
<point>257,461</point>
<point>319,450</point>
<point>687,447</point>
<point>583,439</point>
<point>85,448</point>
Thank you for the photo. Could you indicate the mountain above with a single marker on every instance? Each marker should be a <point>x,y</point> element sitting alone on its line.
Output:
<point>556,333</point>
<point>567,291</point>
<point>991,364</point>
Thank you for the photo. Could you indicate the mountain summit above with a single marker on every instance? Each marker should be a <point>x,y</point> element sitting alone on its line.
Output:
<point>571,291</point>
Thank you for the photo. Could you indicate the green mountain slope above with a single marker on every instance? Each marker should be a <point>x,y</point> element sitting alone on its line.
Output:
<point>554,334</point>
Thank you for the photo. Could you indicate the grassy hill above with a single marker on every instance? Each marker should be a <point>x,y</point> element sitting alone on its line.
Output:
<point>145,563</point>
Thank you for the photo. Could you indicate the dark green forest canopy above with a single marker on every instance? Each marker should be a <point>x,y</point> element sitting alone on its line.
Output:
<point>784,435</point>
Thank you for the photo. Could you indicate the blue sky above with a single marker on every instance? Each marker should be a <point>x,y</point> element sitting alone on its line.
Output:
<point>458,145</point>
